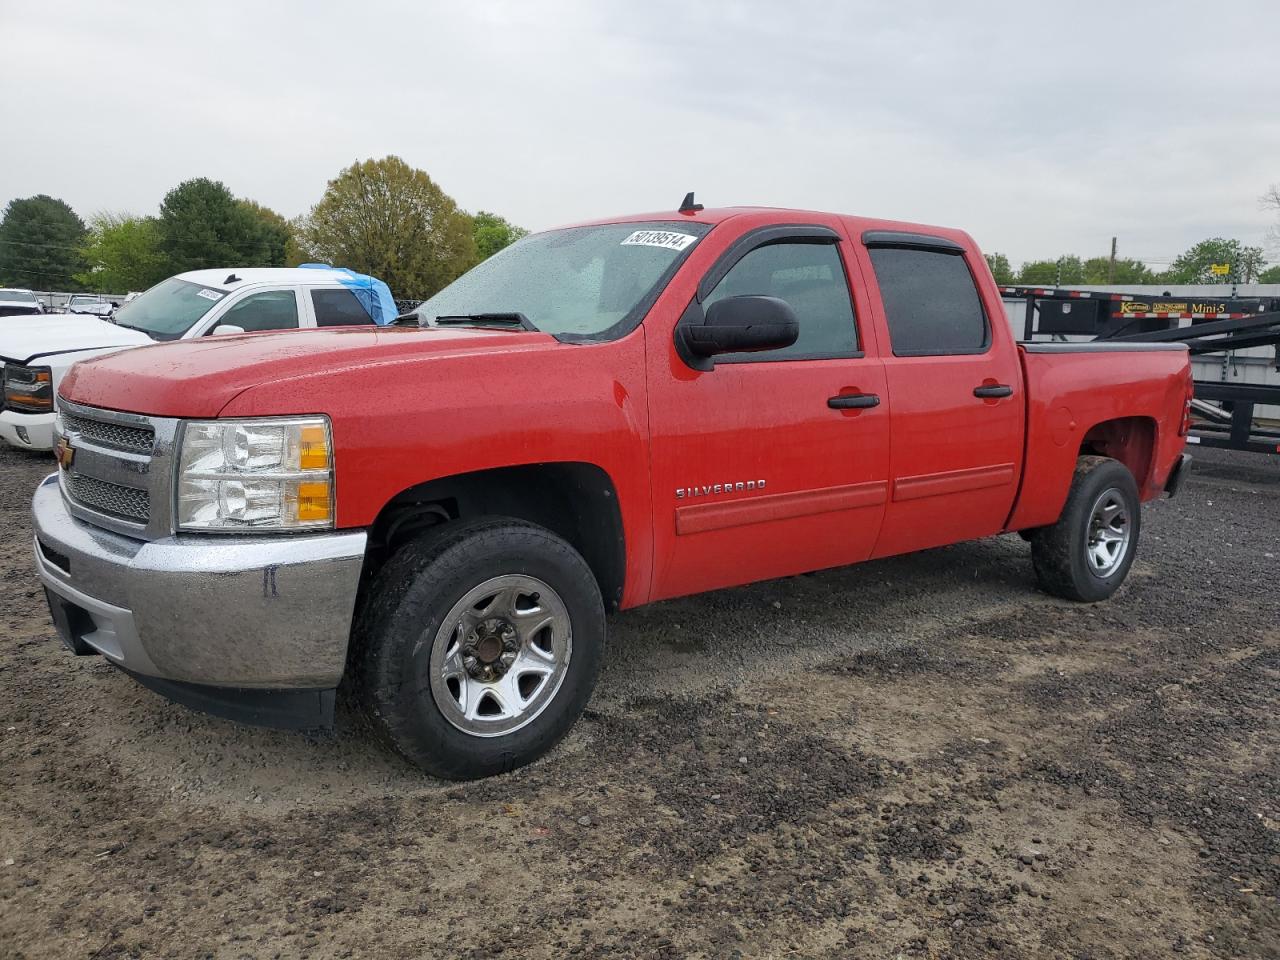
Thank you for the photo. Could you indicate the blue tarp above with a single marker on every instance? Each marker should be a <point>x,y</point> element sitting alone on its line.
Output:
<point>373,294</point>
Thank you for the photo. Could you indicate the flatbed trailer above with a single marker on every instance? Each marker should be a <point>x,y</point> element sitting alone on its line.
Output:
<point>1224,412</point>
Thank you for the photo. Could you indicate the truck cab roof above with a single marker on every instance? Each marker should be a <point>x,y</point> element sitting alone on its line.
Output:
<point>856,225</point>
<point>235,278</point>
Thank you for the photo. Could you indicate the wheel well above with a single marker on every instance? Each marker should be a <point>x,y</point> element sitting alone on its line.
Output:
<point>1131,440</point>
<point>578,501</point>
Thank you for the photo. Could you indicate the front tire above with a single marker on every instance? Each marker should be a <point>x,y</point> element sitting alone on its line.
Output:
<point>1087,554</point>
<point>478,647</point>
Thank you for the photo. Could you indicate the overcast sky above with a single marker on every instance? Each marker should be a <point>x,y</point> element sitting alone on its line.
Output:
<point>1040,128</point>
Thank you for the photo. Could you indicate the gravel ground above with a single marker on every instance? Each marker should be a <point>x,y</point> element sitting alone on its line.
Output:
<point>920,757</point>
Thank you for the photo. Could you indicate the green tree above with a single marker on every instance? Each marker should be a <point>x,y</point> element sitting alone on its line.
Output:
<point>203,225</point>
<point>1070,269</point>
<point>1001,269</point>
<point>1193,266</point>
<point>296,251</point>
<point>276,233</point>
<point>1270,275</point>
<point>1038,272</point>
<point>1100,270</point>
<point>123,253</point>
<point>493,232</point>
<point>40,241</point>
<point>388,219</point>
<point>1065,270</point>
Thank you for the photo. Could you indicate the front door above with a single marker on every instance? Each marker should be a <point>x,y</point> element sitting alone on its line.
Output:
<point>766,465</point>
<point>263,309</point>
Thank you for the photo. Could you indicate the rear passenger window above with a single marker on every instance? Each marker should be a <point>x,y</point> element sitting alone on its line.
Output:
<point>808,276</point>
<point>930,301</point>
<point>338,308</point>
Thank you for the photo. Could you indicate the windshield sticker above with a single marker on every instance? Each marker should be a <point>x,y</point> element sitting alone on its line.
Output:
<point>659,238</point>
<point>210,294</point>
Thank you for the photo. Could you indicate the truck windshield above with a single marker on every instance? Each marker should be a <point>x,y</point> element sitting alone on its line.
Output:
<point>169,309</point>
<point>580,282</point>
<point>18,296</point>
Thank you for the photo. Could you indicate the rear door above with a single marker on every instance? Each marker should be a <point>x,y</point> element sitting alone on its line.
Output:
<point>759,468</point>
<point>955,394</point>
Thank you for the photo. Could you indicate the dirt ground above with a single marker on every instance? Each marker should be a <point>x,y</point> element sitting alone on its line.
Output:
<point>921,757</point>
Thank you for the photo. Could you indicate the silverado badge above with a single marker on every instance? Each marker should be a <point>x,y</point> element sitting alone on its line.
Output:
<point>715,489</point>
<point>65,453</point>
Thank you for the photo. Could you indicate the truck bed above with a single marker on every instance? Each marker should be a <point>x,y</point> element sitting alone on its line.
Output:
<point>1073,387</point>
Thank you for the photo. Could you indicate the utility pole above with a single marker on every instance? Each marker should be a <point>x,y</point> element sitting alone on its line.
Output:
<point>1111,265</point>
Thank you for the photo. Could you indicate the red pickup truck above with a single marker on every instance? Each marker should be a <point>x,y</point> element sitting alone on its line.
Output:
<point>438,515</point>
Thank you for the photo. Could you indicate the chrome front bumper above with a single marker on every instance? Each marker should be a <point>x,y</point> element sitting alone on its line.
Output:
<point>262,612</point>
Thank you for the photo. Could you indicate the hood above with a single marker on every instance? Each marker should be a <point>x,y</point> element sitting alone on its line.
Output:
<point>197,378</point>
<point>27,339</point>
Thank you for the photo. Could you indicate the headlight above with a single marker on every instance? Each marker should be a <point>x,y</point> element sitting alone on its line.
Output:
<point>256,475</point>
<point>28,389</point>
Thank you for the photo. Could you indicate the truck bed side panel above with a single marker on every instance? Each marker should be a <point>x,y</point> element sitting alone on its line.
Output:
<point>1071,389</point>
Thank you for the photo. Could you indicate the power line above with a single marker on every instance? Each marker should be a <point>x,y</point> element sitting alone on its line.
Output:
<point>47,246</point>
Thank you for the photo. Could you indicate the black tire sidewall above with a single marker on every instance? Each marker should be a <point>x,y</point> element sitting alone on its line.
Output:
<point>1106,475</point>
<point>406,630</point>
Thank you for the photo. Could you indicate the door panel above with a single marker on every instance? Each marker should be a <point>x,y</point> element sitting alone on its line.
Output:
<point>957,453</point>
<point>769,465</point>
<point>956,457</point>
<point>756,477</point>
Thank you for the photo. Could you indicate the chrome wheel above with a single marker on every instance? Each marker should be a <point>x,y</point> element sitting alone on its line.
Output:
<point>1109,533</point>
<point>500,655</point>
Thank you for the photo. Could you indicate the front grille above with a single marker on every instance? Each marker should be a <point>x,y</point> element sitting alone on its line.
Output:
<point>134,439</point>
<point>127,503</point>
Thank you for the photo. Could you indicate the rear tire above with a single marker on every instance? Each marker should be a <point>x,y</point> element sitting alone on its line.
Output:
<point>478,647</point>
<point>1087,554</point>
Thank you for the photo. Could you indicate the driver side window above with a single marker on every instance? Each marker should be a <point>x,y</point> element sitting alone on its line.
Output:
<point>268,310</point>
<point>809,277</point>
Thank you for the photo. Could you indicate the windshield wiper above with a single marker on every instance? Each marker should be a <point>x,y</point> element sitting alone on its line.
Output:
<point>502,319</point>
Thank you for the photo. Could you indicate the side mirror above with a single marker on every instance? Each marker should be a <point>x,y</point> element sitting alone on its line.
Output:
<point>737,325</point>
<point>222,328</point>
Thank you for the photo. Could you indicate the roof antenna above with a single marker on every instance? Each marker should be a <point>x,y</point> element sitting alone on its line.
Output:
<point>688,206</point>
<point>231,278</point>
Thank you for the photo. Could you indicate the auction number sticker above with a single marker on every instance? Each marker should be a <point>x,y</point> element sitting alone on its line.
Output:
<point>210,294</point>
<point>659,238</point>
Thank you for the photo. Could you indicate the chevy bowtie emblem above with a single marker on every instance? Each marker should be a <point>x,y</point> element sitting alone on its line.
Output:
<point>65,453</point>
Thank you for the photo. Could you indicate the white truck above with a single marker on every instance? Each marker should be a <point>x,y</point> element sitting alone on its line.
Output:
<point>37,351</point>
<point>19,303</point>
<point>89,303</point>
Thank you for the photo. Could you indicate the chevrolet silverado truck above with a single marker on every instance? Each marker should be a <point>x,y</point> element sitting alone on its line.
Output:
<point>437,517</point>
<point>19,303</point>
<point>89,304</point>
<point>37,352</point>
